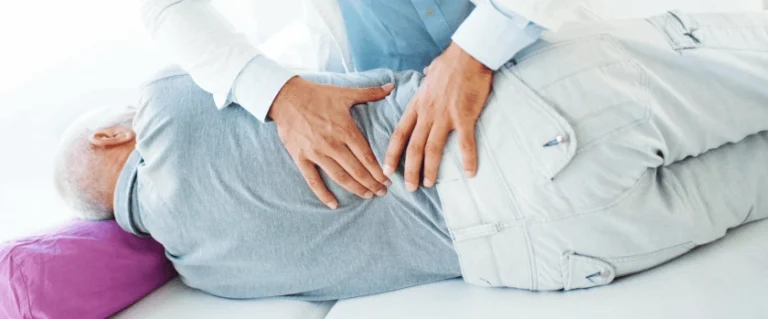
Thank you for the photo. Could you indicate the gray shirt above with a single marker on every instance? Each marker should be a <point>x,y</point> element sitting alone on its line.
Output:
<point>221,193</point>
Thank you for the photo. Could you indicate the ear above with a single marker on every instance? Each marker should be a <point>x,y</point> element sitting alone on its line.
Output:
<point>112,136</point>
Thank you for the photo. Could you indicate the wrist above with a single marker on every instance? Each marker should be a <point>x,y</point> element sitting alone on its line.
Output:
<point>288,97</point>
<point>465,60</point>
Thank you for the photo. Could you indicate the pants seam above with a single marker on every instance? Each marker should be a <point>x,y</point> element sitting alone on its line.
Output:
<point>509,199</point>
<point>533,273</point>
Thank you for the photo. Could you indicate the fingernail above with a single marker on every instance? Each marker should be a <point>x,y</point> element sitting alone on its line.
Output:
<point>332,205</point>
<point>368,195</point>
<point>388,86</point>
<point>469,174</point>
<point>388,170</point>
<point>388,182</point>
<point>428,182</point>
<point>410,187</point>
<point>381,192</point>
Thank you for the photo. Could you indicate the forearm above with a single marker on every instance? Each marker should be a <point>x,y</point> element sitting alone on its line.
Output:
<point>200,40</point>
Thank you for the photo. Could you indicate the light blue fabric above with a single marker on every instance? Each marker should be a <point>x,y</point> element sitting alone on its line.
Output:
<point>220,192</point>
<point>409,34</point>
<point>400,34</point>
<point>125,202</point>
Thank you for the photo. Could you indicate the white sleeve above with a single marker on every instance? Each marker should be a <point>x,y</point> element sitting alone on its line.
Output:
<point>503,35</point>
<point>549,14</point>
<point>200,40</point>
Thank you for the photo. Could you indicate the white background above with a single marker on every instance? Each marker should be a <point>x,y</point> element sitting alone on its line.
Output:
<point>52,55</point>
<point>59,58</point>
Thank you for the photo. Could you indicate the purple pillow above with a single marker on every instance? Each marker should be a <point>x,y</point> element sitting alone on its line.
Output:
<point>80,270</point>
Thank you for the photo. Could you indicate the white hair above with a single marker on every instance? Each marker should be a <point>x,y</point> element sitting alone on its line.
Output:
<point>74,158</point>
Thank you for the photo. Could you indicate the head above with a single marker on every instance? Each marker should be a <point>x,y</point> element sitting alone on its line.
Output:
<point>90,158</point>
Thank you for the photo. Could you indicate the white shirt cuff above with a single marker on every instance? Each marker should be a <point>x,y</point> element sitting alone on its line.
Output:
<point>258,84</point>
<point>494,37</point>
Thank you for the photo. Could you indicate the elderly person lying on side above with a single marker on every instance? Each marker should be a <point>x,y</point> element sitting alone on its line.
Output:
<point>605,150</point>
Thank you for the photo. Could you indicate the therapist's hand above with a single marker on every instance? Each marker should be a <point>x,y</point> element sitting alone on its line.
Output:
<point>317,129</point>
<point>450,98</point>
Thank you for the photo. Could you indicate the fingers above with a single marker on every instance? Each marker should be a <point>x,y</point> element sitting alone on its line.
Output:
<point>414,156</point>
<point>316,184</point>
<point>398,140</point>
<point>433,152</point>
<point>339,175</point>
<point>365,95</point>
<point>362,151</point>
<point>467,144</point>
<point>351,164</point>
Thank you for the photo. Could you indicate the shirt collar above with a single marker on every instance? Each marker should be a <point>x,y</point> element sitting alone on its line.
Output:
<point>126,203</point>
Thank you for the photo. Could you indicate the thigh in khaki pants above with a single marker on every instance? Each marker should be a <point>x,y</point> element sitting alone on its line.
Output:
<point>613,147</point>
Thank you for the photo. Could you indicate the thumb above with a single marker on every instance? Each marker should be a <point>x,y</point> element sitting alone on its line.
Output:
<point>371,94</point>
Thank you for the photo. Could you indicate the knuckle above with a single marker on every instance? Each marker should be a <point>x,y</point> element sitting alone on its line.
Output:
<point>311,153</point>
<point>467,142</point>
<point>299,157</point>
<point>370,158</point>
<point>341,177</point>
<point>350,133</point>
<point>359,172</point>
<point>469,151</point>
<point>336,147</point>
<point>467,126</point>
<point>413,152</point>
<point>345,130</point>
<point>399,134</point>
<point>315,183</point>
<point>433,148</point>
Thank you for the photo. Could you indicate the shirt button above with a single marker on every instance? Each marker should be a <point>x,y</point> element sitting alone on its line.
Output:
<point>429,12</point>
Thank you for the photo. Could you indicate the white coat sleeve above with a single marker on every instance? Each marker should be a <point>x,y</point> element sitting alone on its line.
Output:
<point>200,40</point>
<point>549,14</point>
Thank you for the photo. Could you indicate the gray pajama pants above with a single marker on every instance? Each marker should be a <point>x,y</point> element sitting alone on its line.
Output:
<point>609,148</point>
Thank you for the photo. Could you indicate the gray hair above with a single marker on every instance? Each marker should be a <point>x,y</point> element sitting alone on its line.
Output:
<point>74,157</point>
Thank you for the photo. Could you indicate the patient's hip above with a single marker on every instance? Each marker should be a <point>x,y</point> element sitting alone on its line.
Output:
<point>580,150</point>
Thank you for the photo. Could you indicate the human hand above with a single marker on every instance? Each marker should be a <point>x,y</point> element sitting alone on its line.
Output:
<point>451,97</point>
<point>317,129</point>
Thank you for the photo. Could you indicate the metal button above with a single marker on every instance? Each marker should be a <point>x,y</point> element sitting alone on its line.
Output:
<point>429,12</point>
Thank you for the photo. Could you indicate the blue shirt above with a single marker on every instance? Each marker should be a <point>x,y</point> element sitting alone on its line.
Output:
<point>400,34</point>
<point>409,34</point>
<point>221,193</point>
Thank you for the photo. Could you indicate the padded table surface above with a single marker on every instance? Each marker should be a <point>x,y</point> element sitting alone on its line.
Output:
<point>175,300</point>
<point>726,279</point>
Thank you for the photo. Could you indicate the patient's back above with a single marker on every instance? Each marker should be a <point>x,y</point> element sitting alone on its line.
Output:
<point>221,193</point>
